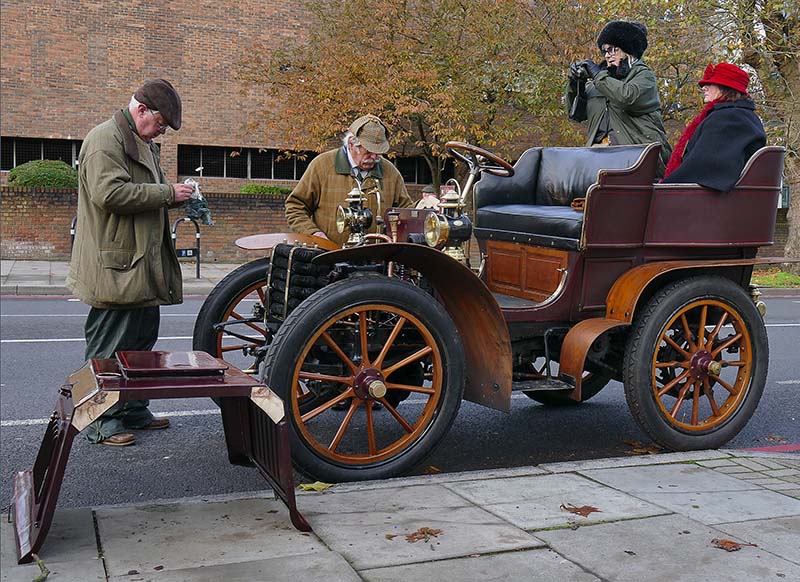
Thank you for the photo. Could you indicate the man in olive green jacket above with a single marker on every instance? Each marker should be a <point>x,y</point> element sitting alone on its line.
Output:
<point>618,98</point>
<point>311,207</point>
<point>123,262</point>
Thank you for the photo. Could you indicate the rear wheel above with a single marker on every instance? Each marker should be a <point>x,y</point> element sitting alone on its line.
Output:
<point>364,340</point>
<point>230,324</point>
<point>696,363</point>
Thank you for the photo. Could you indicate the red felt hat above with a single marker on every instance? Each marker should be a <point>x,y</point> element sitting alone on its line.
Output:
<point>725,75</point>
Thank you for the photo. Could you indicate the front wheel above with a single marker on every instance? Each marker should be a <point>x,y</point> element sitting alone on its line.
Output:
<point>696,363</point>
<point>230,324</point>
<point>356,342</point>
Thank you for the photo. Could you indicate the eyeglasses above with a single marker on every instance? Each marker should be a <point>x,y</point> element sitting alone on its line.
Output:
<point>609,50</point>
<point>162,127</point>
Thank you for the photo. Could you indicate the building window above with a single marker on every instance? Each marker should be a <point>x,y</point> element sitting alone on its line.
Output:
<point>15,151</point>
<point>246,163</point>
<point>415,170</point>
<point>273,164</point>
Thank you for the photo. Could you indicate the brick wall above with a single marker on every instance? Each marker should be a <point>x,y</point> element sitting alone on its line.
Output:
<point>66,66</point>
<point>35,224</point>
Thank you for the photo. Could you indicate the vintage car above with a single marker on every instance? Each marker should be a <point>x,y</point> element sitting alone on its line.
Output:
<point>588,272</point>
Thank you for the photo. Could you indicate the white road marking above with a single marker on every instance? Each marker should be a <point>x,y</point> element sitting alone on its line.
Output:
<point>173,414</point>
<point>83,315</point>
<point>76,339</point>
<point>783,325</point>
<point>787,382</point>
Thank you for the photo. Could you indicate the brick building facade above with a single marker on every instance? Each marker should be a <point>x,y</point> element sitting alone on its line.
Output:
<point>67,66</point>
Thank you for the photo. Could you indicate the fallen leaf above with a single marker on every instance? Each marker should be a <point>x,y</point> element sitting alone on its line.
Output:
<point>431,469</point>
<point>776,439</point>
<point>583,511</point>
<point>729,545</point>
<point>423,533</point>
<point>315,486</point>
<point>640,449</point>
<point>391,536</point>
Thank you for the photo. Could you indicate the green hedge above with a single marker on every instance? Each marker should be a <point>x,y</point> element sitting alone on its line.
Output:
<point>278,191</point>
<point>44,174</point>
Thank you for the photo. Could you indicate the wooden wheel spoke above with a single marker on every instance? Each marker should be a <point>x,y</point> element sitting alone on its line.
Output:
<point>349,393</point>
<point>262,296</point>
<point>688,332</point>
<point>728,343</point>
<point>362,332</point>
<point>354,404</point>
<point>419,389</point>
<point>339,352</point>
<point>681,396</point>
<point>326,377</point>
<point>389,342</point>
<point>724,384</point>
<point>675,345</point>
<point>672,364</point>
<point>701,329</point>
<point>716,329</point>
<point>233,348</point>
<point>402,421</point>
<point>669,386</point>
<point>710,396</point>
<point>249,324</point>
<point>370,430</point>
<point>736,364</point>
<point>695,404</point>
<point>405,361</point>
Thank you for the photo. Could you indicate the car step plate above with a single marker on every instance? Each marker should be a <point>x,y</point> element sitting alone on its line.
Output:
<point>543,385</point>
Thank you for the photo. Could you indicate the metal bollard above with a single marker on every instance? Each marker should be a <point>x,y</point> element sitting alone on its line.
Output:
<point>190,252</point>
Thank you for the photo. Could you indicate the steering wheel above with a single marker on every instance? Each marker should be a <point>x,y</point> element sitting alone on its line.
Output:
<point>497,166</point>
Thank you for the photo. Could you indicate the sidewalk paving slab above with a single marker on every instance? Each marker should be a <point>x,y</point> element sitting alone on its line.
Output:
<point>665,549</point>
<point>533,503</point>
<point>320,566</point>
<point>699,493</point>
<point>70,552</point>
<point>777,536</point>
<point>182,536</point>
<point>542,564</point>
<point>366,541</point>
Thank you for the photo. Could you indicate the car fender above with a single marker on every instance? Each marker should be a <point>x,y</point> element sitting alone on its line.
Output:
<point>263,242</point>
<point>621,304</point>
<point>469,303</point>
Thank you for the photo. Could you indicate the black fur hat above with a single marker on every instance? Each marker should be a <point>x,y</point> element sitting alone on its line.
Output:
<point>631,37</point>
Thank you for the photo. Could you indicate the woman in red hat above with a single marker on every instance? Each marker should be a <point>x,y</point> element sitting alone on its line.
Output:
<point>715,146</point>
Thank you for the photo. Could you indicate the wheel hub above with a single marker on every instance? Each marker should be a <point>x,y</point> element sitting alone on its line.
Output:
<point>702,364</point>
<point>369,384</point>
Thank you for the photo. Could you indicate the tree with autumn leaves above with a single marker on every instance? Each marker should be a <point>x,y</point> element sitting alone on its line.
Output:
<point>492,72</point>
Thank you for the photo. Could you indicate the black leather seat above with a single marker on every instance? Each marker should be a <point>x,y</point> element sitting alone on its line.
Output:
<point>533,206</point>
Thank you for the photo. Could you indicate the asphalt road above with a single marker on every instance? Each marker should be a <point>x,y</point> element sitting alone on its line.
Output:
<point>42,342</point>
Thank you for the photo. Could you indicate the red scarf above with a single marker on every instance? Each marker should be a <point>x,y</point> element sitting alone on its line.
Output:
<point>677,154</point>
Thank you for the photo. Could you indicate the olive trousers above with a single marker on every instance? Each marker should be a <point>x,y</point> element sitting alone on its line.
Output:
<point>108,331</point>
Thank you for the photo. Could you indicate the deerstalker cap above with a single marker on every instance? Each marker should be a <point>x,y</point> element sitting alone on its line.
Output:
<point>159,95</point>
<point>371,133</point>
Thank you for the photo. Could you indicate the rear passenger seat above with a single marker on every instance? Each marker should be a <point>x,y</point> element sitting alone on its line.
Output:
<point>533,206</point>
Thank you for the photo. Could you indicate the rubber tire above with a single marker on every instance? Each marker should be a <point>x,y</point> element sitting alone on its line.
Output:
<point>646,332</point>
<point>590,387</point>
<point>292,337</point>
<point>204,338</point>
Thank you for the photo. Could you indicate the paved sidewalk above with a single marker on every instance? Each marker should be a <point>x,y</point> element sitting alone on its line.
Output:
<point>48,278</point>
<point>656,519</point>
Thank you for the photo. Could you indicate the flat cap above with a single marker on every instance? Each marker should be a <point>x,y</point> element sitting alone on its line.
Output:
<point>159,95</point>
<point>371,133</point>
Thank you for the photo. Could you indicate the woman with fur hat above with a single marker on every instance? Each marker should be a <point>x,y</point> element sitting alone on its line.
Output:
<point>618,98</point>
<point>715,146</point>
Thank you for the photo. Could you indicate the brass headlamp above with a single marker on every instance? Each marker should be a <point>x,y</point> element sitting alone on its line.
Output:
<point>441,230</point>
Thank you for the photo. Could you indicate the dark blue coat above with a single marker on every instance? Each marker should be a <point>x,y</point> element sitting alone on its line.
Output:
<point>720,147</point>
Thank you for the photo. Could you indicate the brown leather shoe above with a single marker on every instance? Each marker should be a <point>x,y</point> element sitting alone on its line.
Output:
<point>156,424</point>
<point>122,439</point>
